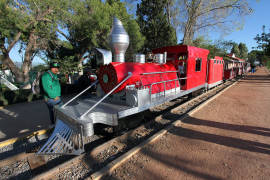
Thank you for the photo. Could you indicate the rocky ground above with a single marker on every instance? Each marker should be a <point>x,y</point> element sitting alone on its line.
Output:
<point>226,139</point>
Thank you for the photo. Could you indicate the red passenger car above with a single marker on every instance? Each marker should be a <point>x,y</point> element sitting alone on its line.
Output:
<point>234,67</point>
<point>215,72</point>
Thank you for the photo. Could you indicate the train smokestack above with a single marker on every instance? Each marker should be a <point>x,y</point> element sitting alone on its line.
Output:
<point>119,40</point>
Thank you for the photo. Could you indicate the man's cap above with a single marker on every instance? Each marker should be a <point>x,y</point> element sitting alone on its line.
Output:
<point>54,65</point>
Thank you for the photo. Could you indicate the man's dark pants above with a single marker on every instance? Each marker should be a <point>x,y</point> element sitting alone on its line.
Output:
<point>51,103</point>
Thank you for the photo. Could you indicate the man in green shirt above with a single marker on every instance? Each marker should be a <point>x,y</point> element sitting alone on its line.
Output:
<point>52,89</point>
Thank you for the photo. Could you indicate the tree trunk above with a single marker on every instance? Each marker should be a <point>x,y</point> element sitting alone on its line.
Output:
<point>13,68</point>
<point>28,57</point>
<point>188,34</point>
<point>80,66</point>
<point>168,12</point>
<point>193,10</point>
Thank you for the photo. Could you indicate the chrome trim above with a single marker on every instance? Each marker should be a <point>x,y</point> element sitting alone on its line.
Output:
<point>94,83</point>
<point>129,75</point>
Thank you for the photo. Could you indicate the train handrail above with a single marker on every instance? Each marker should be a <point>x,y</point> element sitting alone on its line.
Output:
<point>158,72</point>
<point>164,84</point>
<point>94,83</point>
<point>166,81</point>
<point>129,75</point>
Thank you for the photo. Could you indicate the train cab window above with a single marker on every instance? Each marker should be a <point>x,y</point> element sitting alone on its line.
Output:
<point>215,61</point>
<point>198,64</point>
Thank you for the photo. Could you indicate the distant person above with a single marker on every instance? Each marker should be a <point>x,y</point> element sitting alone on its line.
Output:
<point>253,68</point>
<point>52,89</point>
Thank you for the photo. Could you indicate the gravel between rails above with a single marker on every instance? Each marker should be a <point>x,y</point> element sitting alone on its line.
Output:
<point>91,163</point>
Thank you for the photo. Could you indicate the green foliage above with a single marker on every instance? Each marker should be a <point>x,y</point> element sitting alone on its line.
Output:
<point>136,38</point>
<point>235,50</point>
<point>243,51</point>
<point>263,52</point>
<point>87,25</point>
<point>154,25</point>
<point>218,48</point>
<point>255,55</point>
<point>29,24</point>
<point>268,64</point>
<point>263,41</point>
<point>40,68</point>
<point>8,97</point>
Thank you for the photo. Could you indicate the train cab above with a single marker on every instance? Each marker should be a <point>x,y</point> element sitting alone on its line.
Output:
<point>191,63</point>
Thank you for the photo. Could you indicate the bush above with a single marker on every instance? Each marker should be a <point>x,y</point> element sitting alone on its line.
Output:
<point>22,95</point>
<point>268,64</point>
<point>8,97</point>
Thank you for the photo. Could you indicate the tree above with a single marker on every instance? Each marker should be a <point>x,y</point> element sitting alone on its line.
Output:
<point>136,38</point>
<point>235,50</point>
<point>29,24</point>
<point>263,41</point>
<point>202,15</point>
<point>218,48</point>
<point>153,21</point>
<point>255,55</point>
<point>87,25</point>
<point>243,51</point>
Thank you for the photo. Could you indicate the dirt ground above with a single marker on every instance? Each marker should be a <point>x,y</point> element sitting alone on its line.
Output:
<point>18,120</point>
<point>229,138</point>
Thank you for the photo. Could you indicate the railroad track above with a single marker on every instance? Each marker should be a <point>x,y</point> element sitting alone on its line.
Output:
<point>101,150</point>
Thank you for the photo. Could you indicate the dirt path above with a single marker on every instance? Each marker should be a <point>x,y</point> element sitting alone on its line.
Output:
<point>227,139</point>
<point>20,119</point>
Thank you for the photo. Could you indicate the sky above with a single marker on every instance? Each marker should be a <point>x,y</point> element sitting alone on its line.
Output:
<point>252,26</point>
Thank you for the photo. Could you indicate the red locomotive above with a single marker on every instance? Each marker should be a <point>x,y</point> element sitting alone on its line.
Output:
<point>127,88</point>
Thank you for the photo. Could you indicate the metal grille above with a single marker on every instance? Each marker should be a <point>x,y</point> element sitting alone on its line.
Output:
<point>63,140</point>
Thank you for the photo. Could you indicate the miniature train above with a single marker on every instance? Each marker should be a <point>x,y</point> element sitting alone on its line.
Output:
<point>127,88</point>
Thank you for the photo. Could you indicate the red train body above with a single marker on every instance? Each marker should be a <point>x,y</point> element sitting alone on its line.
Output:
<point>197,70</point>
<point>195,60</point>
<point>126,88</point>
<point>215,71</point>
<point>112,74</point>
